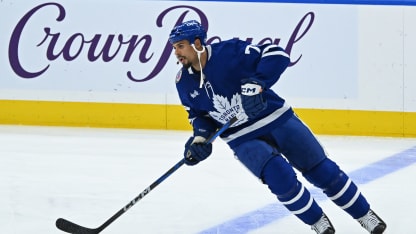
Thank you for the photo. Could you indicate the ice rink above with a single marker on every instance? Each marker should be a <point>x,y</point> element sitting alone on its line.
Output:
<point>86,175</point>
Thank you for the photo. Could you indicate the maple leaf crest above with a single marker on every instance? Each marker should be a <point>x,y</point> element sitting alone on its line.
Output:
<point>225,109</point>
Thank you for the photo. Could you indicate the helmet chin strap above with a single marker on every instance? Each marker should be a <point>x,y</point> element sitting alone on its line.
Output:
<point>199,52</point>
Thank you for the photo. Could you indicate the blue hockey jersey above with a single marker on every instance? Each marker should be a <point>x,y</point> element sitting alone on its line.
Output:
<point>219,98</point>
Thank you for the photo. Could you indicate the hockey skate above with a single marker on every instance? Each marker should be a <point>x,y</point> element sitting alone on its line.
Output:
<point>323,226</point>
<point>372,223</point>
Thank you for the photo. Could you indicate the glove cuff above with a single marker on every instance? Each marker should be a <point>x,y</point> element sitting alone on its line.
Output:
<point>202,133</point>
<point>198,139</point>
<point>251,87</point>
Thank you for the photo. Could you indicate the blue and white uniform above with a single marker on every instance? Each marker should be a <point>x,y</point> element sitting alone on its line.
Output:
<point>228,63</point>
<point>275,140</point>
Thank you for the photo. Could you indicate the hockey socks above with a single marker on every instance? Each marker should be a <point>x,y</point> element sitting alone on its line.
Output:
<point>282,181</point>
<point>338,187</point>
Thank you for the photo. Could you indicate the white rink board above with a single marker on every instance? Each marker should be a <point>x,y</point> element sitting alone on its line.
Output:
<point>349,56</point>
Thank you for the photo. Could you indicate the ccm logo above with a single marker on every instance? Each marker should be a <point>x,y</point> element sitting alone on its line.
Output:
<point>250,89</point>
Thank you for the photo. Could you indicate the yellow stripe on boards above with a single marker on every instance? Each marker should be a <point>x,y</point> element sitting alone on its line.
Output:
<point>409,122</point>
<point>117,115</point>
<point>174,117</point>
<point>357,122</point>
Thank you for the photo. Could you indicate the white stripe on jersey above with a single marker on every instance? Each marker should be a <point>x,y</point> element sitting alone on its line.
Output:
<point>276,53</point>
<point>259,124</point>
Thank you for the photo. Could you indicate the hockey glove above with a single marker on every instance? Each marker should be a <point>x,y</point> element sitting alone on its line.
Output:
<point>252,97</point>
<point>196,150</point>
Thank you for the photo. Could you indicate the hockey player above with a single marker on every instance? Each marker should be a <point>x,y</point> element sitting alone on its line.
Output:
<point>233,79</point>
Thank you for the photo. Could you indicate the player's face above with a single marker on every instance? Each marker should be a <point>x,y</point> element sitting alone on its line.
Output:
<point>185,54</point>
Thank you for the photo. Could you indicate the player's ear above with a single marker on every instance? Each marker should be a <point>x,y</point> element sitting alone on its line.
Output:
<point>198,44</point>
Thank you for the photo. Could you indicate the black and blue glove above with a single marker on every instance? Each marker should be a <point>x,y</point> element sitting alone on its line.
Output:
<point>252,97</point>
<point>196,150</point>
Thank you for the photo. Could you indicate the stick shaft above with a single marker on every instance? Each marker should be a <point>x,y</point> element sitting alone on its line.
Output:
<point>163,177</point>
<point>70,227</point>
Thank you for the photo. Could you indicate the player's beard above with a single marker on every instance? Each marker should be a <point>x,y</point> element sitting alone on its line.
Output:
<point>187,64</point>
<point>181,60</point>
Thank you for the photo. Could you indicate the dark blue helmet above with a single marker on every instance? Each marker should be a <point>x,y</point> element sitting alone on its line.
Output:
<point>189,30</point>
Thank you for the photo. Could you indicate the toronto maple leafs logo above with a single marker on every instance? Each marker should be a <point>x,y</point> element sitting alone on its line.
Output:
<point>226,110</point>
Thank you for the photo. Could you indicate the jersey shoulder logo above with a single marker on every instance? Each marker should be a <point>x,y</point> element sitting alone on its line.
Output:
<point>178,76</point>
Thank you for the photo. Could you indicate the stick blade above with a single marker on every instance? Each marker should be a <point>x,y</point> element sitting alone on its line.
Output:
<point>70,227</point>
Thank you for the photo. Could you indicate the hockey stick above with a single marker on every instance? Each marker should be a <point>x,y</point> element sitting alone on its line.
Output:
<point>70,227</point>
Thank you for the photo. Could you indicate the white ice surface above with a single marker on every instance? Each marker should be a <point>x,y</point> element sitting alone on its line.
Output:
<point>86,175</point>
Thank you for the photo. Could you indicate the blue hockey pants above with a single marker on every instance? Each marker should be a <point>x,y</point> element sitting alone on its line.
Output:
<point>272,158</point>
